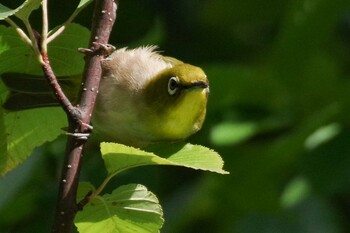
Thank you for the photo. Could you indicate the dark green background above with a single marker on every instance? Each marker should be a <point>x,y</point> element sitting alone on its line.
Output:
<point>278,114</point>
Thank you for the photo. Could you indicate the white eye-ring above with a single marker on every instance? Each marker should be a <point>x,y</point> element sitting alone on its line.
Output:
<point>173,85</point>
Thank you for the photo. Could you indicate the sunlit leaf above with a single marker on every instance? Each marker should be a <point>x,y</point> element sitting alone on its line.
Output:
<point>26,8</point>
<point>63,52</point>
<point>128,209</point>
<point>228,133</point>
<point>6,12</point>
<point>83,3</point>
<point>119,157</point>
<point>22,12</point>
<point>322,135</point>
<point>26,130</point>
<point>296,191</point>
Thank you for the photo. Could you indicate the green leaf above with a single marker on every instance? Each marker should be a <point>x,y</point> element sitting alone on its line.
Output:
<point>229,133</point>
<point>22,12</point>
<point>14,51</point>
<point>82,4</point>
<point>296,191</point>
<point>63,52</point>
<point>119,157</point>
<point>26,8</point>
<point>6,12</point>
<point>27,130</point>
<point>128,209</point>
<point>322,135</point>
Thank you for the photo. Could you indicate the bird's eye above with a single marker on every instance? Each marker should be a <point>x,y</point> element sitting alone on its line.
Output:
<point>173,85</point>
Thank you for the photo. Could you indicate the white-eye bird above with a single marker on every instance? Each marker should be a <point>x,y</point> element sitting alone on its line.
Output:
<point>144,98</point>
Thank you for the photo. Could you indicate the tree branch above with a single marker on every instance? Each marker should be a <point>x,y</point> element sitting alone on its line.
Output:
<point>67,106</point>
<point>103,20</point>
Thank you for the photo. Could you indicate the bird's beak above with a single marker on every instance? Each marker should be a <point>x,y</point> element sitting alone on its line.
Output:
<point>197,84</point>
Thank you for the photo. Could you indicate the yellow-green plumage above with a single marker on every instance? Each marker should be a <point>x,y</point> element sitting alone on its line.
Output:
<point>140,102</point>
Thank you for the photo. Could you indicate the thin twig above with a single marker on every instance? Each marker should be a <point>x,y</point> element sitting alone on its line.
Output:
<point>103,20</point>
<point>61,29</point>
<point>58,32</point>
<point>60,95</point>
<point>71,111</point>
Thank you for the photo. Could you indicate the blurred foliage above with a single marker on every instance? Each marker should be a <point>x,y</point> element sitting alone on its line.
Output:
<point>278,114</point>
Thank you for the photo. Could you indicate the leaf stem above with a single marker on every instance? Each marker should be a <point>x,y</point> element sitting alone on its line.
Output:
<point>101,187</point>
<point>58,32</point>
<point>20,32</point>
<point>45,27</point>
<point>104,183</point>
